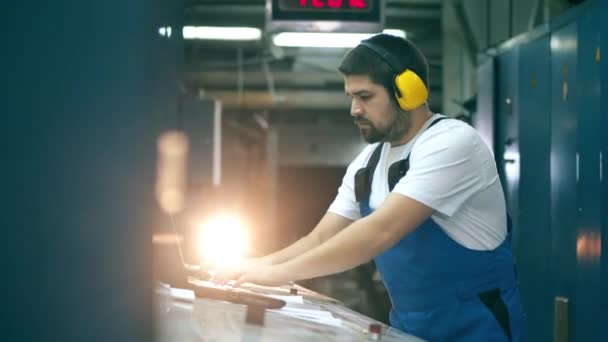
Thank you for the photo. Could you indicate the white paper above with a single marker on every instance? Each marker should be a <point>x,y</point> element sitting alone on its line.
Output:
<point>289,299</point>
<point>183,294</point>
<point>320,317</point>
<point>308,312</point>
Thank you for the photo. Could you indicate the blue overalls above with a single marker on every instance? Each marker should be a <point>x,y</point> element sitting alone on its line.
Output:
<point>441,290</point>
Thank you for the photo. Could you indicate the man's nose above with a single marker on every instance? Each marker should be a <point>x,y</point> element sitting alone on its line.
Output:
<point>355,108</point>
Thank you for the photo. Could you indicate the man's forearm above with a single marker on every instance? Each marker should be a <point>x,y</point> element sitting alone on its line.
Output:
<point>361,241</point>
<point>347,249</point>
<point>328,226</point>
<point>299,247</point>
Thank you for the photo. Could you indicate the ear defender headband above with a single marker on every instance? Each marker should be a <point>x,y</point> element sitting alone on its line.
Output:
<point>410,90</point>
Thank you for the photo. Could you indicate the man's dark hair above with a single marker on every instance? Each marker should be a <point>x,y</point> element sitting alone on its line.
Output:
<point>361,60</point>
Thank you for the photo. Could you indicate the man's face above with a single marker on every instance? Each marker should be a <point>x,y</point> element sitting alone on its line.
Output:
<point>375,112</point>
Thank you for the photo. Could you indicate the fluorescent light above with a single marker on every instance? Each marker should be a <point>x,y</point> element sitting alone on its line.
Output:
<point>165,31</point>
<point>221,33</point>
<point>395,32</point>
<point>315,39</point>
<point>326,39</point>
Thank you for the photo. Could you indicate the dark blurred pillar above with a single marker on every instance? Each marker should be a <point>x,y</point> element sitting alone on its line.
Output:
<point>86,87</point>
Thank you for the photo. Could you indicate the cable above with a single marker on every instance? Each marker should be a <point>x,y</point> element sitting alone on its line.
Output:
<point>178,239</point>
<point>188,267</point>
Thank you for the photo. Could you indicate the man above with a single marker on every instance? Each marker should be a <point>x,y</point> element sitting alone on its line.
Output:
<point>423,200</point>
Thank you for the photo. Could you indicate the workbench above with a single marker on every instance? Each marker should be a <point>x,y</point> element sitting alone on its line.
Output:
<point>307,316</point>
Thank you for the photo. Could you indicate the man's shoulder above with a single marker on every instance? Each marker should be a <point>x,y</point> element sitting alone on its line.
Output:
<point>448,134</point>
<point>449,126</point>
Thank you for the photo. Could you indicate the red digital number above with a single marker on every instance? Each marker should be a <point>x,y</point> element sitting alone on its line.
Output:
<point>333,3</point>
<point>356,3</point>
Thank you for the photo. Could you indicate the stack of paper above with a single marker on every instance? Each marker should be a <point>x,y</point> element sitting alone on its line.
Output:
<point>314,313</point>
<point>289,299</point>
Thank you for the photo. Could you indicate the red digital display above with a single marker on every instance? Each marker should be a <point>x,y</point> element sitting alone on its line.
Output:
<point>326,5</point>
<point>363,11</point>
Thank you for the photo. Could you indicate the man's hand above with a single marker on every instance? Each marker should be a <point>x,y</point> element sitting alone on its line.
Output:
<point>224,274</point>
<point>264,275</point>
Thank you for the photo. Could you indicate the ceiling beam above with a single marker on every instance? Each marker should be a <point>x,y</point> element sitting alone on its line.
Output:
<point>291,99</point>
<point>288,79</point>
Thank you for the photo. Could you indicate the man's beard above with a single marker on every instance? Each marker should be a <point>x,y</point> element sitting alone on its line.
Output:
<point>400,125</point>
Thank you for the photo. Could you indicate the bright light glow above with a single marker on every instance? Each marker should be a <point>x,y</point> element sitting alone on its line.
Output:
<point>589,246</point>
<point>512,166</point>
<point>559,43</point>
<point>223,241</point>
<point>326,39</point>
<point>172,164</point>
<point>166,239</point>
<point>221,33</point>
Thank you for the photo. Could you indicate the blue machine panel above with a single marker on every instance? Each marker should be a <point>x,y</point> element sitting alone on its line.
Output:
<point>506,146</point>
<point>564,171</point>
<point>534,109</point>
<point>588,231</point>
<point>551,146</point>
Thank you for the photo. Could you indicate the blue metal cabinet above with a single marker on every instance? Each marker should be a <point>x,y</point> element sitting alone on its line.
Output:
<point>553,168</point>
<point>564,170</point>
<point>506,148</point>
<point>534,109</point>
<point>588,233</point>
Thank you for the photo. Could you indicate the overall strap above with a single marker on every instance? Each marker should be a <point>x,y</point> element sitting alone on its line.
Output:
<point>364,176</point>
<point>399,168</point>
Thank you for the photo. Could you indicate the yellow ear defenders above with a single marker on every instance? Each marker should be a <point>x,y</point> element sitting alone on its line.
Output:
<point>410,90</point>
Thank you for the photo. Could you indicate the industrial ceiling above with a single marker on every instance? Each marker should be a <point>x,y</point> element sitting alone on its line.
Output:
<point>254,75</point>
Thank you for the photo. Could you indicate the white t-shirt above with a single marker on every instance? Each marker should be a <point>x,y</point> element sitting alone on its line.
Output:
<point>452,170</point>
